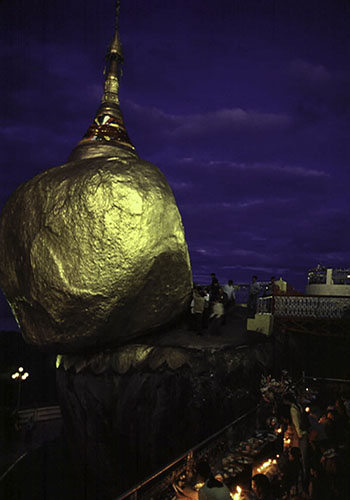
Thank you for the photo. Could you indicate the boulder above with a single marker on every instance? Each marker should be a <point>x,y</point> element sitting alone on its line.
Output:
<point>93,253</point>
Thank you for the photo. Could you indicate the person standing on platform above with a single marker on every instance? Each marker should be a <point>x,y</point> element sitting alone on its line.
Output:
<point>214,280</point>
<point>206,312</point>
<point>198,309</point>
<point>271,287</point>
<point>254,290</point>
<point>214,287</point>
<point>217,314</point>
<point>229,290</point>
<point>300,424</point>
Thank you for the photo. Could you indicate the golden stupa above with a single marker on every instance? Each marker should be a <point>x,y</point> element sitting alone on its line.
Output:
<point>93,252</point>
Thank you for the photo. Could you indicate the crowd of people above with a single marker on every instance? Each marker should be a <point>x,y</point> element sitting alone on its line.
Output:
<point>314,462</point>
<point>214,304</point>
<point>214,489</point>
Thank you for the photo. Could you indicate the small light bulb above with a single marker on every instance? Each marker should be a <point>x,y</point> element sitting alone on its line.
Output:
<point>21,369</point>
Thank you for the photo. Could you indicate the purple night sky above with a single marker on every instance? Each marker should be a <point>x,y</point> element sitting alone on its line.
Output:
<point>243,104</point>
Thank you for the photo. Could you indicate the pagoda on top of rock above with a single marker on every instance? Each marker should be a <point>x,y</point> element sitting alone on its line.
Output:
<point>107,131</point>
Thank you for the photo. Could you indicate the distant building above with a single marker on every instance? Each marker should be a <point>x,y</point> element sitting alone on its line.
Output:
<point>323,281</point>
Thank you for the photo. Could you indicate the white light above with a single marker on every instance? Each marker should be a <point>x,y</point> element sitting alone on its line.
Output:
<point>20,369</point>
<point>237,494</point>
<point>15,375</point>
<point>58,360</point>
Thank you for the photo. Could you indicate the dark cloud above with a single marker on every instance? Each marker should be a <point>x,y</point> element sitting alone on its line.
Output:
<point>320,94</point>
<point>242,136</point>
<point>246,183</point>
<point>206,128</point>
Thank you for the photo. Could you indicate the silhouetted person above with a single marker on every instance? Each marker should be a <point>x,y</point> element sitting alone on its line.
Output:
<point>214,280</point>
<point>301,427</point>
<point>261,487</point>
<point>293,472</point>
<point>317,489</point>
<point>214,287</point>
<point>330,427</point>
<point>270,287</point>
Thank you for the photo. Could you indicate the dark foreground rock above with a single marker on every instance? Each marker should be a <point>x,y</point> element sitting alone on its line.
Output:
<point>128,416</point>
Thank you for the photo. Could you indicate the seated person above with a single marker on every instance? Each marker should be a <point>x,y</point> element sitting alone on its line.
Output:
<point>212,489</point>
<point>261,487</point>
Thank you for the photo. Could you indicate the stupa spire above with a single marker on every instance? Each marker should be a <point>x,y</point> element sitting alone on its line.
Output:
<point>107,131</point>
<point>114,61</point>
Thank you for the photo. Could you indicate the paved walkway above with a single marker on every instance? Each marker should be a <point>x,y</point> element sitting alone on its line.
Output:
<point>233,334</point>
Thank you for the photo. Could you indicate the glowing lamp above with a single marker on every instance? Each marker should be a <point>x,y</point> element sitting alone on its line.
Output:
<point>237,494</point>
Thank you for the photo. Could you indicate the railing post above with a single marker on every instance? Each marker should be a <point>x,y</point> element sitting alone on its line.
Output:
<point>189,464</point>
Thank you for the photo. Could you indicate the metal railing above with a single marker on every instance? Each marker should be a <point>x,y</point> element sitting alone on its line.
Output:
<point>39,414</point>
<point>324,380</point>
<point>265,305</point>
<point>25,419</point>
<point>320,307</point>
<point>211,448</point>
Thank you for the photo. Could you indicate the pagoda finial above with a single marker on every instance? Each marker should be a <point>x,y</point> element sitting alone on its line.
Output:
<point>107,130</point>
<point>114,60</point>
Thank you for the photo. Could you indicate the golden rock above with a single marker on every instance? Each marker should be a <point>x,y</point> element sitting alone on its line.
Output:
<point>93,253</point>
